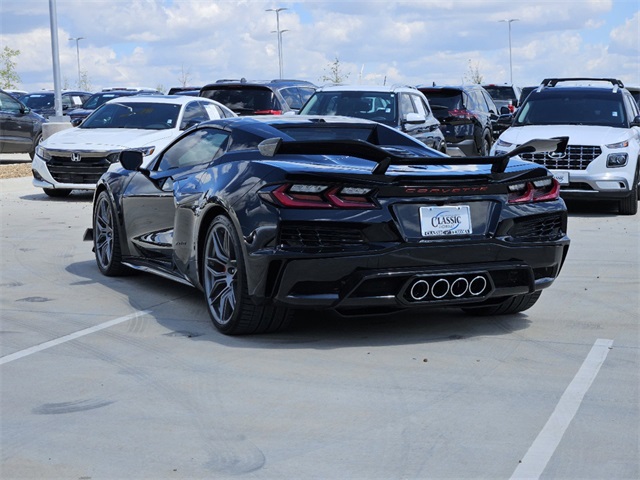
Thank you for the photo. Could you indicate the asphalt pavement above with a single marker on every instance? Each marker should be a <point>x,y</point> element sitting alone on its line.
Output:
<point>126,378</point>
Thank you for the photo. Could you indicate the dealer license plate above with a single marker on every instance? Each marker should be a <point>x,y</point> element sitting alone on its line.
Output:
<point>452,220</point>
<point>562,176</point>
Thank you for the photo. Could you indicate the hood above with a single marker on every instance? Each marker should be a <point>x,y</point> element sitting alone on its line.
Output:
<point>108,139</point>
<point>578,134</point>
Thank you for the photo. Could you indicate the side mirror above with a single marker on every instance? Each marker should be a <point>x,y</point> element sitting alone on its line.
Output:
<point>414,118</point>
<point>187,125</point>
<point>636,122</point>
<point>76,121</point>
<point>504,110</point>
<point>131,159</point>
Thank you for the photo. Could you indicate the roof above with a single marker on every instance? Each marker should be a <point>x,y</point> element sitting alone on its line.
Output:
<point>170,99</point>
<point>366,88</point>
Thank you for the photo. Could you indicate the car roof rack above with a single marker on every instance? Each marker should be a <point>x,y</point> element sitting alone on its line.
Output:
<point>552,82</point>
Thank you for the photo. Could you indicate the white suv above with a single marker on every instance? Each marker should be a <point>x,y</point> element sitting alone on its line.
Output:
<point>602,122</point>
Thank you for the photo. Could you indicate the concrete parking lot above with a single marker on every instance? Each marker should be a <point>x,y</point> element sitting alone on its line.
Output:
<point>126,378</point>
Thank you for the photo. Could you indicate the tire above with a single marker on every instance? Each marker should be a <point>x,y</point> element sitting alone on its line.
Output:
<point>225,286</point>
<point>36,142</point>
<point>629,204</point>
<point>57,192</point>
<point>106,238</point>
<point>511,305</point>
<point>485,145</point>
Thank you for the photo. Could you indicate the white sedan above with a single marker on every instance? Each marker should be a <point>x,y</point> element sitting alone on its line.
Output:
<point>75,158</point>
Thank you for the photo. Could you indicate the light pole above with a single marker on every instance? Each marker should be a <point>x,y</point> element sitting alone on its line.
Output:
<point>77,40</point>
<point>279,32</point>
<point>510,62</point>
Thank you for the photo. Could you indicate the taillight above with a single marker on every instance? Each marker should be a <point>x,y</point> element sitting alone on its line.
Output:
<point>268,112</point>
<point>319,196</point>
<point>536,191</point>
<point>461,113</point>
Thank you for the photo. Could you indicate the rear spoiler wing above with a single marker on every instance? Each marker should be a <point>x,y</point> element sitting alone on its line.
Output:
<point>384,159</point>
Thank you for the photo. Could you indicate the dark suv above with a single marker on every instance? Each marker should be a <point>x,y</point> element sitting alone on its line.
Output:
<point>20,128</point>
<point>43,102</point>
<point>467,115</point>
<point>273,97</point>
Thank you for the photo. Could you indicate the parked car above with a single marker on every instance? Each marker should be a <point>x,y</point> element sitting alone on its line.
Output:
<point>467,115</point>
<point>274,213</point>
<point>403,108</point>
<point>94,101</point>
<point>16,93</point>
<point>20,127</point>
<point>504,96</point>
<point>74,159</point>
<point>602,123</point>
<point>635,92</point>
<point>43,102</point>
<point>273,97</point>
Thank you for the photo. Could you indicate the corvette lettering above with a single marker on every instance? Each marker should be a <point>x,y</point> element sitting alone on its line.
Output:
<point>445,190</point>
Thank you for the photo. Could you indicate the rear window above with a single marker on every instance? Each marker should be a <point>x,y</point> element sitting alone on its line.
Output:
<point>500,93</point>
<point>244,100</point>
<point>449,99</point>
<point>377,106</point>
<point>38,100</point>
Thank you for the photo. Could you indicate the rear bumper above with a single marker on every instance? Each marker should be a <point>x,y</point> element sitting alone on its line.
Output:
<point>412,276</point>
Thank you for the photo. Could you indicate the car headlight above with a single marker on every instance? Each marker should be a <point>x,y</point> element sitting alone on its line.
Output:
<point>503,144</point>
<point>624,144</point>
<point>147,150</point>
<point>616,160</point>
<point>43,153</point>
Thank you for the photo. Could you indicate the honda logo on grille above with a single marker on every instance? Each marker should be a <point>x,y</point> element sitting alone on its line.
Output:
<point>75,157</point>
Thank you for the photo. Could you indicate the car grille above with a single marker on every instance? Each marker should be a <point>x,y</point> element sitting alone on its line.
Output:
<point>540,228</point>
<point>307,236</point>
<point>577,157</point>
<point>88,170</point>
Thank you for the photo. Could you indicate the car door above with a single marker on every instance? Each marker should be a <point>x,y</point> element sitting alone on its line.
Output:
<point>158,204</point>
<point>411,121</point>
<point>16,126</point>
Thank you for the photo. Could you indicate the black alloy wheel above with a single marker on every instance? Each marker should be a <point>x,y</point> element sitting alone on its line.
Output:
<point>225,285</point>
<point>106,238</point>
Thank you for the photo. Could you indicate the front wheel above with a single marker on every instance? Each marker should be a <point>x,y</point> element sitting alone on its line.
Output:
<point>629,204</point>
<point>106,238</point>
<point>511,305</point>
<point>225,286</point>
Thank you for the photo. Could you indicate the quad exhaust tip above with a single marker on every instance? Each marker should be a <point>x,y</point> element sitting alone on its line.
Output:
<point>447,287</point>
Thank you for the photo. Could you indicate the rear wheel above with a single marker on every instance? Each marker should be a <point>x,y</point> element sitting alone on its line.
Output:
<point>515,304</point>
<point>106,238</point>
<point>57,192</point>
<point>225,286</point>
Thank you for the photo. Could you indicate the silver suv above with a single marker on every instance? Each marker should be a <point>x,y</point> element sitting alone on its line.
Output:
<point>601,121</point>
<point>403,108</point>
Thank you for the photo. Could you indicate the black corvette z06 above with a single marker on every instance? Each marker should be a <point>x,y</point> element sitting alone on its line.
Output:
<point>268,215</point>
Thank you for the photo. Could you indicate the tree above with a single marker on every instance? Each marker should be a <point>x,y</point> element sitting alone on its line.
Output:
<point>473,75</point>
<point>85,82</point>
<point>185,77</point>
<point>335,73</point>
<point>9,78</point>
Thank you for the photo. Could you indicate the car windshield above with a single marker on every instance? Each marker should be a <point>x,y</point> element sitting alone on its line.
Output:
<point>38,100</point>
<point>147,116</point>
<point>376,106</point>
<point>244,100</point>
<point>572,108</point>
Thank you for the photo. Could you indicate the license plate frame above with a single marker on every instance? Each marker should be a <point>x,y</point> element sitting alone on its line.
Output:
<point>562,176</point>
<point>451,220</point>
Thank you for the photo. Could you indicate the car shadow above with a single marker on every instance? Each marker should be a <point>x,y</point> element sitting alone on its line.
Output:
<point>75,197</point>
<point>591,209</point>
<point>182,310</point>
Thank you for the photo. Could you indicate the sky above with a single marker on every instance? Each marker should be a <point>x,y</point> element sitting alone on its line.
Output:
<point>167,43</point>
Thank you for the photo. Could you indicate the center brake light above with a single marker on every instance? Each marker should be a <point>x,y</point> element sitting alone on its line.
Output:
<point>320,196</point>
<point>535,191</point>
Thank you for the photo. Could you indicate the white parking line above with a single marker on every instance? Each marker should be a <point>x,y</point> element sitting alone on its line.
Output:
<point>72,336</point>
<point>540,452</point>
